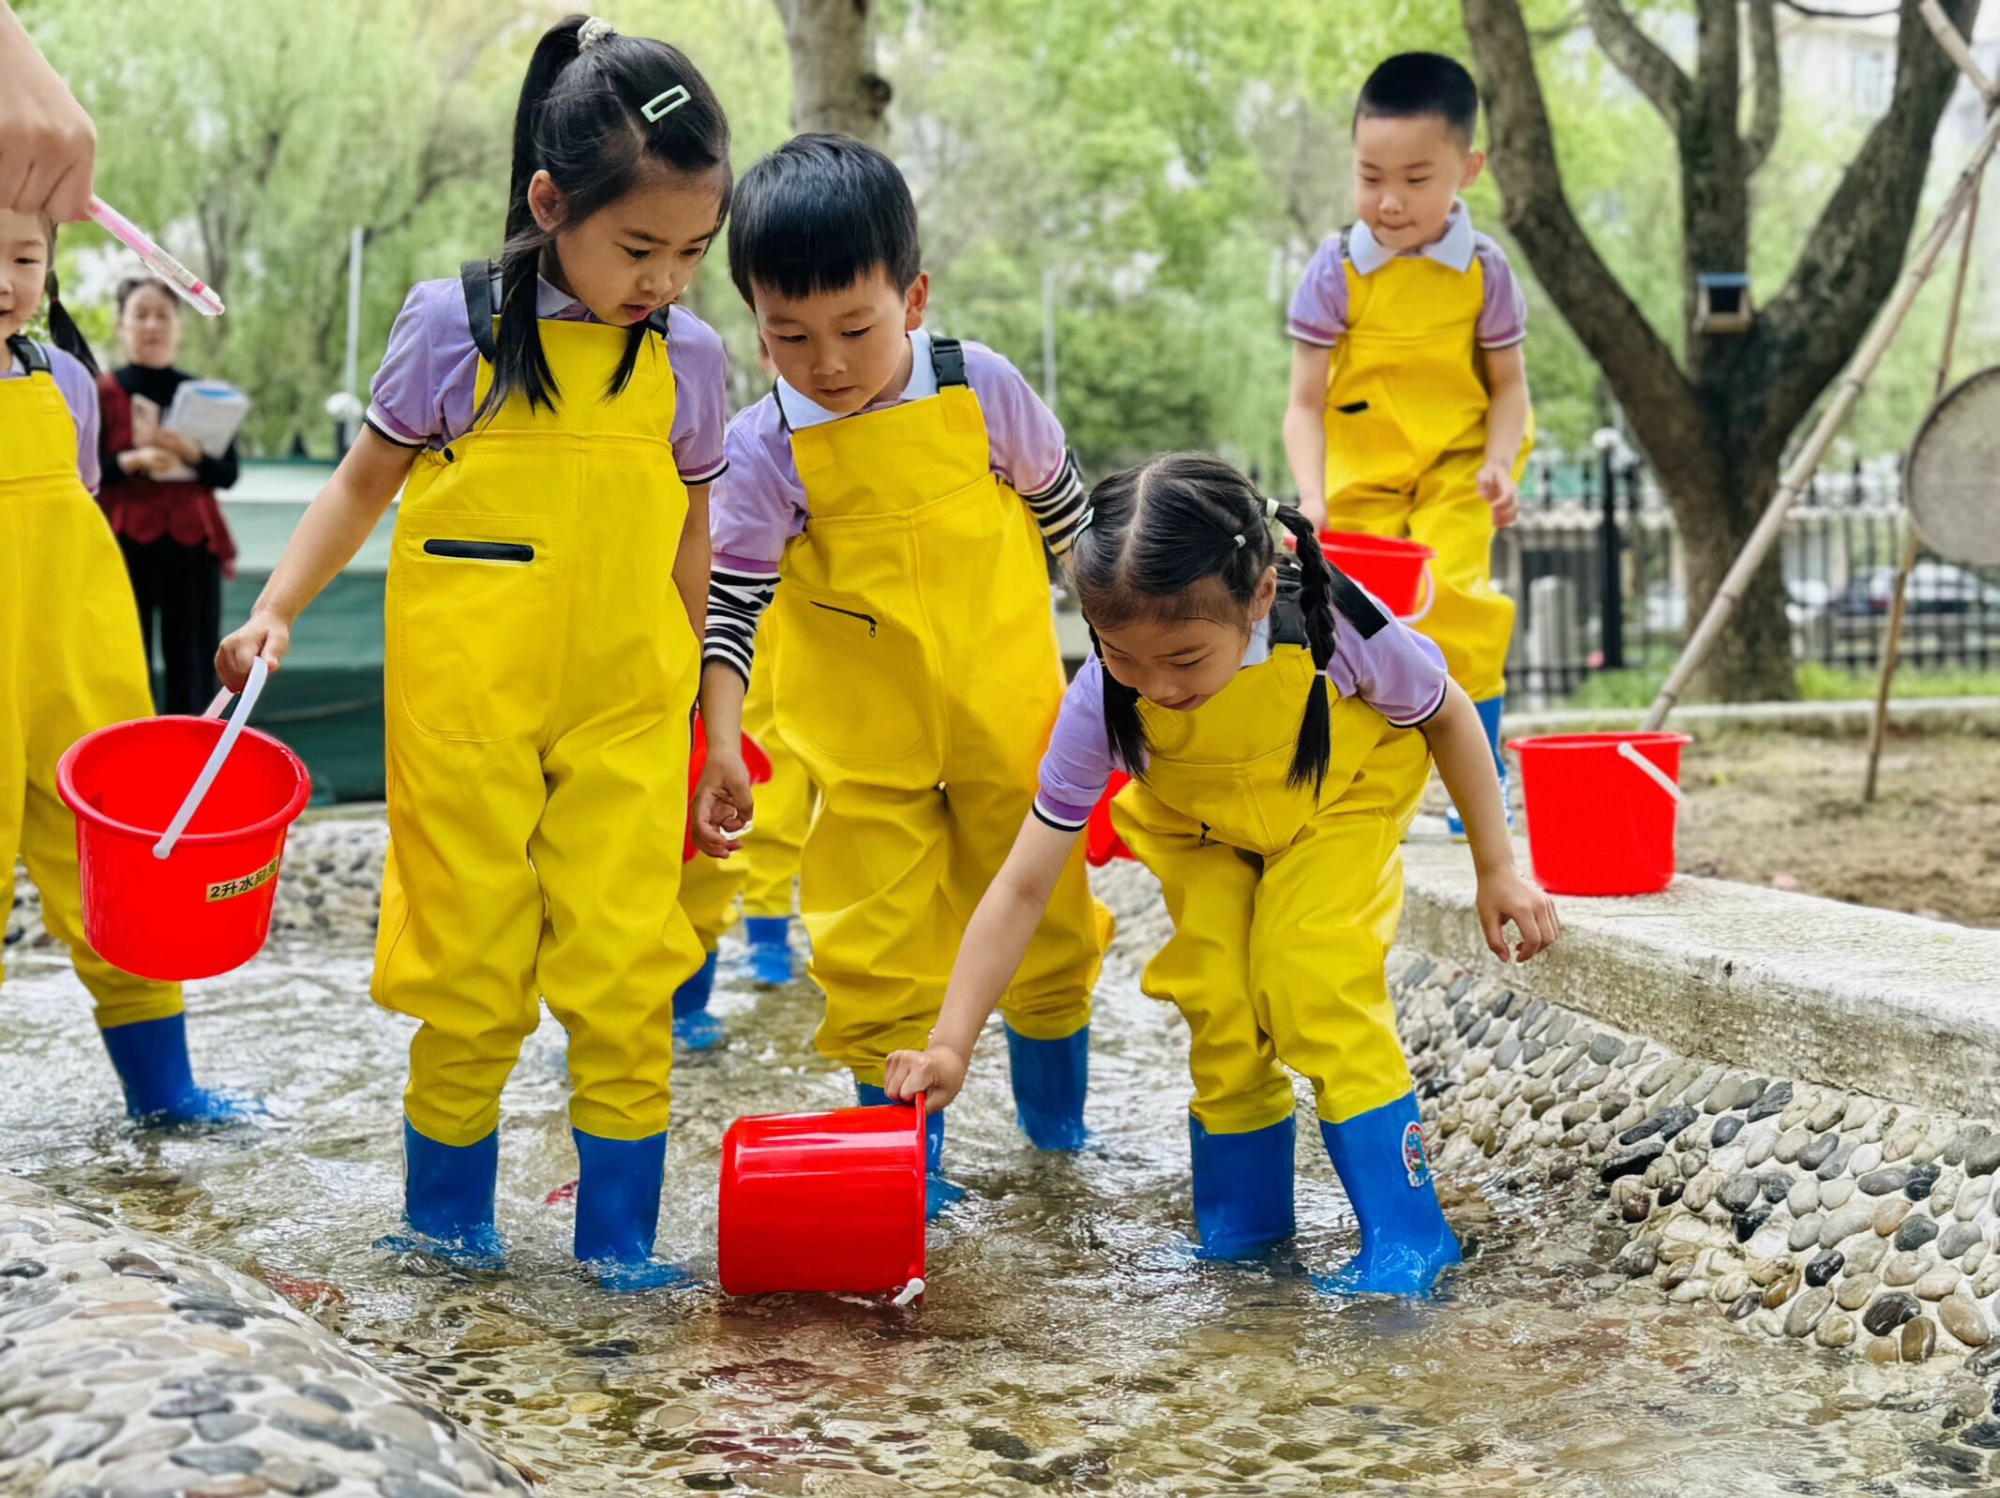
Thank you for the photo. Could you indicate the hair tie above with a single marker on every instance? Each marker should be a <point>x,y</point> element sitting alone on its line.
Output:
<point>1238,538</point>
<point>593,31</point>
<point>1271,508</point>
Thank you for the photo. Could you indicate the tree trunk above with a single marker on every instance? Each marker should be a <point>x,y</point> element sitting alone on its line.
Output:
<point>1752,662</point>
<point>834,83</point>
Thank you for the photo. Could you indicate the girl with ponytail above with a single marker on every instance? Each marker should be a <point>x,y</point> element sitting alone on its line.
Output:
<point>553,420</point>
<point>1279,725</point>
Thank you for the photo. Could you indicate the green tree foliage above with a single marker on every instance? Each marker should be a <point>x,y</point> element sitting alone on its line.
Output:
<point>1166,167</point>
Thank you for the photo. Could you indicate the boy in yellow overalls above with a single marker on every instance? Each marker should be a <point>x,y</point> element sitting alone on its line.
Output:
<point>1409,412</point>
<point>892,495</point>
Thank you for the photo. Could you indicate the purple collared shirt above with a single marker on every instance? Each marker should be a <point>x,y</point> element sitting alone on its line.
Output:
<point>422,395</point>
<point>762,504</point>
<point>79,392</point>
<point>1396,671</point>
<point>1319,307</point>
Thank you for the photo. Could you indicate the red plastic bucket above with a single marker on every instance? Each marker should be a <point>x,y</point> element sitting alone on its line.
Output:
<point>1101,840</point>
<point>823,1201</point>
<point>1393,570</point>
<point>754,759</point>
<point>1601,810</point>
<point>206,907</point>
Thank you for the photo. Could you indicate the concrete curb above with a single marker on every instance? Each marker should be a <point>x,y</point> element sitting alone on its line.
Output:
<point>1865,1000</point>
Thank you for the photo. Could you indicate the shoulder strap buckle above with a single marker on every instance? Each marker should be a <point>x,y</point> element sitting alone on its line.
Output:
<point>34,358</point>
<point>948,361</point>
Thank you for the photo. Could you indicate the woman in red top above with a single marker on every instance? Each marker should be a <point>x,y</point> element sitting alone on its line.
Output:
<point>159,492</point>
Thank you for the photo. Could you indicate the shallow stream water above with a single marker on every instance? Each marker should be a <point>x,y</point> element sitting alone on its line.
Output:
<point>1066,1345</point>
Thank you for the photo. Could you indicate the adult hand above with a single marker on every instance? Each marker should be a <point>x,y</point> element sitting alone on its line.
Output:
<point>48,146</point>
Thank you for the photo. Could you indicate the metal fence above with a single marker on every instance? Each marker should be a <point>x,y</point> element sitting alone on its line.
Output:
<point>1599,580</point>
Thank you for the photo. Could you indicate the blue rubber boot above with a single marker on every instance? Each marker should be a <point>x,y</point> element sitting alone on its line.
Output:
<point>1489,719</point>
<point>448,1198</point>
<point>770,949</point>
<point>1050,1080</point>
<point>694,1026</point>
<point>618,1210</point>
<point>1242,1188</point>
<point>151,1059</point>
<point>938,1192</point>
<point>1405,1241</point>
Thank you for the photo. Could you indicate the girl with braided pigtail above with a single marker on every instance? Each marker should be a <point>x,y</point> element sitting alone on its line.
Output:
<point>1280,726</point>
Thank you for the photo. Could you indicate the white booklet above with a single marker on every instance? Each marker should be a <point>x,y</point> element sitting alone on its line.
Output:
<point>209,413</point>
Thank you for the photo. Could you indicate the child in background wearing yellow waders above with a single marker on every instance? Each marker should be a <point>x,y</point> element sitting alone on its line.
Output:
<point>1409,408</point>
<point>762,875</point>
<point>765,874</point>
<point>544,612</point>
<point>893,493</point>
<point>1272,817</point>
<point>71,660</point>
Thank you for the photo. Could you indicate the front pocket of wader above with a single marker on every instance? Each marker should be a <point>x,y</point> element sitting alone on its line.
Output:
<point>851,682</point>
<point>472,608</point>
<point>1366,442</point>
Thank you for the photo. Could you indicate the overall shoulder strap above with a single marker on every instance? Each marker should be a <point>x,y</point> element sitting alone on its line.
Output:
<point>34,358</point>
<point>948,361</point>
<point>476,276</point>
<point>1356,606</point>
<point>1288,620</point>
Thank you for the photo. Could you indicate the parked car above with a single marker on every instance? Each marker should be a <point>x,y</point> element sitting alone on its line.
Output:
<point>1935,588</point>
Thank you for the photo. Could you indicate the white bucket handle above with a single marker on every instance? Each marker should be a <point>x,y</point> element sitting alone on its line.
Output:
<point>909,1292</point>
<point>260,672</point>
<point>1652,771</point>
<point>1430,595</point>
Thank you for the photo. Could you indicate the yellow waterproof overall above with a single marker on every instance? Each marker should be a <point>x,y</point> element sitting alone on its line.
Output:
<point>71,661</point>
<point>1405,439</point>
<point>1284,909</point>
<point>918,678</point>
<point>540,675</point>
<point>766,870</point>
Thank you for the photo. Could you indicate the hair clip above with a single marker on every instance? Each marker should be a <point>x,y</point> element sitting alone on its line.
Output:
<point>593,31</point>
<point>660,106</point>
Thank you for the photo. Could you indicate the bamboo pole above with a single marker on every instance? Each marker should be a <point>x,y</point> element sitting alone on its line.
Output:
<point>1892,641</point>
<point>1848,392</point>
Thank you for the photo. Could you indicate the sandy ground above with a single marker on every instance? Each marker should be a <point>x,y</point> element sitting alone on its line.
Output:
<point>1785,809</point>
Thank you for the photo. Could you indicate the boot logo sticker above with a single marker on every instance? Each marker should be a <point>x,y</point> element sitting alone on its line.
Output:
<point>1416,1164</point>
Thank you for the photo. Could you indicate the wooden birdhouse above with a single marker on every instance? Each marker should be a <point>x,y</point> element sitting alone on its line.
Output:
<point>1722,302</point>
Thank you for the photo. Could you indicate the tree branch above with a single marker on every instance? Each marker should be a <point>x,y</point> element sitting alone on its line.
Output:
<point>1642,60</point>
<point>1638,364</point>
<point>1855,252</point>
<point>1767,78</point>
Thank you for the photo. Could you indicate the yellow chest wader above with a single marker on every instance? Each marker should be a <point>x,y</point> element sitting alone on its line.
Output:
<point>918,679</point>
<point>1406,406</point>
<point>72,661</point>
<point>541,670</point>
<point>1284,904</point>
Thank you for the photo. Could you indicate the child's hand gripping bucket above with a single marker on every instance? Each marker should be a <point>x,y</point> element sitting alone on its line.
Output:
<point>178,882</point>
<point>755,760</point>
<point>1397,572</point>
<point>824,1201</point>
<point>1601,810</point>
